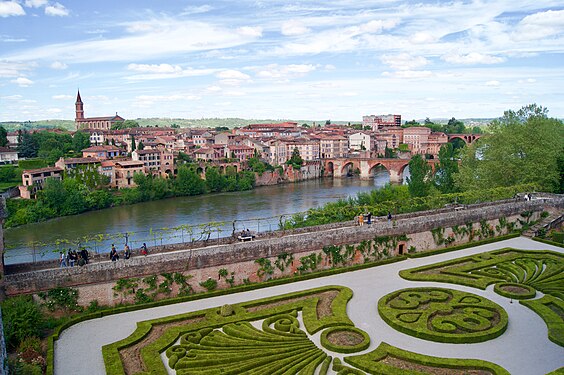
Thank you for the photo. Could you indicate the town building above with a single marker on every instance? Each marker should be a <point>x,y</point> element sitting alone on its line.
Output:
<point>34,179</point>
<point>124,171</point>
<point>82,122</point>
<point>103,152</point>
<point>376,122</point>
<point>8,155</point>
<point>360,141</point>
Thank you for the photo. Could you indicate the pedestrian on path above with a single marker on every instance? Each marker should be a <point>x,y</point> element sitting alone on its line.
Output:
<point>144,249</point>
<point>389,217</point>
<point>63,259</point>
<point>114,254</point>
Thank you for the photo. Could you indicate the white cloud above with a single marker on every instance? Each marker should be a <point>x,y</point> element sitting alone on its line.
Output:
<point>422,37</point>
<point>22,81</point>
<point>294,27</point>
<point>160,68</point>
<point>196,10</point>
<point>472,58</point>
<point>11,8</point>
<point>254,32</point>
<point>35,3</point>
<point>404,61</point>
<point>493,83</point>
<point>149,39</point>
<point>377,26</point>
<point>56,10</point>
<point>62,97</point>
<point>275,71</point>
<point>54,110</point>
<point>232,74</point>
<point>12,97</point>
<point>14,69</point>
<point>409,74</point>
<point>58,65</point>
<point>540,25</point>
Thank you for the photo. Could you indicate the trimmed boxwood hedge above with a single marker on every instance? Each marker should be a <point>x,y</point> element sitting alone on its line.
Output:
<point>364,344</point>
<point>553,320</point>
<point>436,314</point>
<point>529,293</point>
<point>372,362</point>
<point>212,319</point>
<point>244,288</point>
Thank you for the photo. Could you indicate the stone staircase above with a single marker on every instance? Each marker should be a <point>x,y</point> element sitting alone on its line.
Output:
<point>532,231</point>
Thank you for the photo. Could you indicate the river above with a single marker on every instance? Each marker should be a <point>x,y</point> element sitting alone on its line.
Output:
<point>258,210</point>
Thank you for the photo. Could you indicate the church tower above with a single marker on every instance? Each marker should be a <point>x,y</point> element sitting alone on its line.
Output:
<point>79,107</point>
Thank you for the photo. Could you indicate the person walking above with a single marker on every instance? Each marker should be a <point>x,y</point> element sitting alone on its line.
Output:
<point>71,258</point>
<point>114,254</point>
<point>361,219</point>
<point>144,249</point>
<point>126,252</point>
<point>389,217</point>
<point>63,259</point>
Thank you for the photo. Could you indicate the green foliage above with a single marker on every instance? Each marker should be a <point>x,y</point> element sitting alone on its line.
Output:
<point>524,147</point>
<point>295,160</point>
<point>376,362</point>
<point>3,137</point>
<point>547,308</point>
<point>210,284</point>
<point>443,315</point>
<point>61,298</point>
<point>258,166</point>
<point>265,268</point>
<point>22,318</point>
<point>125,124</point>
<point>283,261</point>
<point>419,183</point>
<point>447,168</point>
<point>8,173</point>
<point>187,182</point>
<point>309,263</point>
<point>359,337</point>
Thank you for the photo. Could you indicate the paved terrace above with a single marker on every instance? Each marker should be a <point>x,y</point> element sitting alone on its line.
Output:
<point>524,349</point>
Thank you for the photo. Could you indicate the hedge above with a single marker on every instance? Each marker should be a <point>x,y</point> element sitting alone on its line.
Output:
<point>364,344</point>
<point>236,326</point>
<point>553,320</point>
<point>530,292</point>
<point>443,315</point>
<point>372,362</point>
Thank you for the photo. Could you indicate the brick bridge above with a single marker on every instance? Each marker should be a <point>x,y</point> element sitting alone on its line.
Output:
<point>467,138</point>
<point>340,167</point>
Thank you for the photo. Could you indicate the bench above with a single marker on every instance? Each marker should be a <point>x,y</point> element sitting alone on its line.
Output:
<point>244,238</point>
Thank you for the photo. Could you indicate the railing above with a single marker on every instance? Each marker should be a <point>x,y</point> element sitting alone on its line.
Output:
<point>99,243</point>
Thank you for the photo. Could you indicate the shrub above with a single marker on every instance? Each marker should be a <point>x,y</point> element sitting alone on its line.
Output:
<point>210,284</point>
<point>22,319</point>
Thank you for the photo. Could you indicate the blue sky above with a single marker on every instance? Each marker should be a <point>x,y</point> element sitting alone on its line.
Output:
<point>331,59</point>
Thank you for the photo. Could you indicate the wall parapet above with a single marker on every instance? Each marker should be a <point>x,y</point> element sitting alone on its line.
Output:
<point>271,245</point>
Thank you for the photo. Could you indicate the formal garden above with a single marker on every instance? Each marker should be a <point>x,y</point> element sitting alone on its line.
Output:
<point>422,318</point>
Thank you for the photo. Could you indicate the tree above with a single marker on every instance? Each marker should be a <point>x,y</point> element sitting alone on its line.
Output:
<point>524,147</point>
<point>27,145</point>
<point>132,143</point>
<point>214,181</point>
<point>187,182</point>
<point>296,160</point>
<point>140,145</point>
<point>447,168</point>
<point>80,141</point>
<point>125,124</point>
<point>3,137</point>
<point>419,182</point>
<point>454,126</point>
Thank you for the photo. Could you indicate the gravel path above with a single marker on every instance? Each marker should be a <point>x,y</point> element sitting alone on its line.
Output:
<point>523,349</point>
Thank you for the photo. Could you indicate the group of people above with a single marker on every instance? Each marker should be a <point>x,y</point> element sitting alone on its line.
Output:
<point>367,218</point>
<point>114,255</point>
<point>72,257</point>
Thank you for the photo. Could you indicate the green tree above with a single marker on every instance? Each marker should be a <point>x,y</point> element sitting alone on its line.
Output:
<point>524,147</point>
<point>140,145</point>
<point>296,160</point>
<point>27,145</point>
<point>454,126</point>
<point>447,168</point>
<point>187,182</point>
<point>215,181</point>
<point>3,137</point>
<point>132,143</point>
<point>80,141</point>
<point>419,182</point>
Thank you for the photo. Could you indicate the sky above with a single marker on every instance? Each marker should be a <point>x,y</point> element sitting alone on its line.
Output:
<point>279,59</point>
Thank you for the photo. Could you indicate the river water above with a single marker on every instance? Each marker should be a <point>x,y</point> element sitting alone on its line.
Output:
<point>258,210</point>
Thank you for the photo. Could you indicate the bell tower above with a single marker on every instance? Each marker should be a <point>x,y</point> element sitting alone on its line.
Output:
<point>79,108</point>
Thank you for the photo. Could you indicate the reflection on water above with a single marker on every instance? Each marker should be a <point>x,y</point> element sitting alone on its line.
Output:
<point>141,220</point>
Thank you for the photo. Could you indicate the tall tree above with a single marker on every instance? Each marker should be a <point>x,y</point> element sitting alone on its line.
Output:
<point>27,145</point>
<point>447,168</point>
<point>187,182</point>
<point>419,182</point>
<point>296,160</point>
<point>3,137</point>
<point>523,148</point>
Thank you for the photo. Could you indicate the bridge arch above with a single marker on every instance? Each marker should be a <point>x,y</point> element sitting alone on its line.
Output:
<point>329,168</point>
<point>348,167</point>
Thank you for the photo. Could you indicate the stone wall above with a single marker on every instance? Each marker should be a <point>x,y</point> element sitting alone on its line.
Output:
<point>95,281</point>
